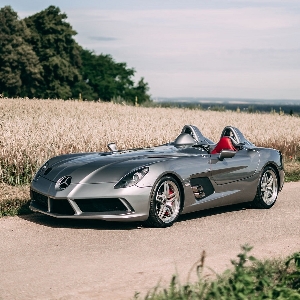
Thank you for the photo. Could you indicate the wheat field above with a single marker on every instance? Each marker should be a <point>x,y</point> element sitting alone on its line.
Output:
<point>35,130</point>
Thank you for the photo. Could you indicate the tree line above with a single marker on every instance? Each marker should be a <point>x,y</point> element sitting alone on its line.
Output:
<point>40,58</point>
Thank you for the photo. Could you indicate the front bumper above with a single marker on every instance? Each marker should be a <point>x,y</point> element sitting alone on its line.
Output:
<point>92,201</point>
<point>125,217</point>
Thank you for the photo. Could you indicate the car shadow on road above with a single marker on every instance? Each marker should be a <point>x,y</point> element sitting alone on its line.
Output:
<point>45,220</point>
<point>48,221</point>
<point>214,211</point>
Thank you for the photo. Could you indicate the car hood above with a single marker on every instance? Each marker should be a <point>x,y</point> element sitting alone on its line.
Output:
<point>103,167</point>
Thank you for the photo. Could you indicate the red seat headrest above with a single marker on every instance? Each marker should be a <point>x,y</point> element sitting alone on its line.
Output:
<point>225,143</point>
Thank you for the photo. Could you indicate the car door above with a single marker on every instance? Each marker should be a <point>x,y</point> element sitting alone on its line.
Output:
<point>241,166</point>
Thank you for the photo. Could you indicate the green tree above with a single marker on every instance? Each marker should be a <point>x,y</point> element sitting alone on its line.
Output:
<point>141,91</point>
<point>109,79</point>
<point>20,69</point>
<point>59,54</point>
<point>40,58</point>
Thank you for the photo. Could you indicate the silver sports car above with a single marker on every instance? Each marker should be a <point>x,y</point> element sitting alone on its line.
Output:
<point>158,184</point>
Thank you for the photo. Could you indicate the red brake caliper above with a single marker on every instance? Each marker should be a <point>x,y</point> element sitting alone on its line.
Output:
<point>171,191</point>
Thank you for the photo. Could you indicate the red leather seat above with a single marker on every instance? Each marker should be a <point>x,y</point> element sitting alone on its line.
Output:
<point>224,144</point>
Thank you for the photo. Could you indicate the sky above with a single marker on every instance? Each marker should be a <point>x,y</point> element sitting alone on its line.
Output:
<point>189,48</point>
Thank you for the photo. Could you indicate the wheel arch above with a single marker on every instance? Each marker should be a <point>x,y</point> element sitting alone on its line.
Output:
<point>259,201</point>
<point>273,158</point>
<point>178,180</point>
<point>275,167</point>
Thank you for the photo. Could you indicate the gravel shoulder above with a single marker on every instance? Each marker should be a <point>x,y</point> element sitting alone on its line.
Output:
<point>46,258</point>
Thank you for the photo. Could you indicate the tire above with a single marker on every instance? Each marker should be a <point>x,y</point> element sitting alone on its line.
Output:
<point>165,203</point>
<point>267,189</point>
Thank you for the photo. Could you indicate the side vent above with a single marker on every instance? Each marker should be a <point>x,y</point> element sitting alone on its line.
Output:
<point>198,191</point>
<point>201,187</point>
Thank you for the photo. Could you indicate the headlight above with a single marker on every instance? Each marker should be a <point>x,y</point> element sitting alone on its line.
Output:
<point>132,178</point>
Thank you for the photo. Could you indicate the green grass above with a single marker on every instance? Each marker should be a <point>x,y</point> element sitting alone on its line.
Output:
<point>270,279</point>
<point>292,176</point>
<point>292,170</point>
<point>14,207</point>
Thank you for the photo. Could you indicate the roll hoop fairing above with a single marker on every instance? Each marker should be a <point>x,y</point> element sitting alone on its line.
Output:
<point>160,183</point>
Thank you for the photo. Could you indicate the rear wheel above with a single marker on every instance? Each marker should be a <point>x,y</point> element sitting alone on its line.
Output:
<point>267,189</point>
<point>165,203</point>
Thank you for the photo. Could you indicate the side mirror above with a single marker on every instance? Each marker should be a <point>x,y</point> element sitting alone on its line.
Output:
<point>226,154</point>
<point>112,147</point>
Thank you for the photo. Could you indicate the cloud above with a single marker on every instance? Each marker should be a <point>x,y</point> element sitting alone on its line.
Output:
<point>102,38</point>
<point>202,52</point>
<point>177,29</point>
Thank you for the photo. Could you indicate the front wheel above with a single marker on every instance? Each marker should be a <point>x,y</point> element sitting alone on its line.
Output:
<point>267,189</point>
<point>165,203</point>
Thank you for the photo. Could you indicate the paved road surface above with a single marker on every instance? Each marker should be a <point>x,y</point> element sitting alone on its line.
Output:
<point>45,258</point>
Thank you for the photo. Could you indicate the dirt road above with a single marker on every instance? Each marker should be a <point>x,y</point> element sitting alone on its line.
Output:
<point>45,258</point>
